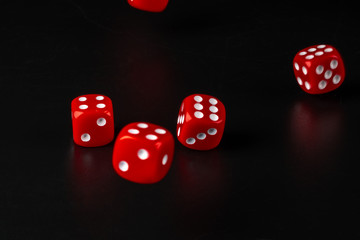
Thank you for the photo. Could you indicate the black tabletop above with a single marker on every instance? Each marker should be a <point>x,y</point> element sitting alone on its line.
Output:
<point>286,168</point>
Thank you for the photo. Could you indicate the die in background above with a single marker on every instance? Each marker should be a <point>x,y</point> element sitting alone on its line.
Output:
<point>201,122</point>
<point>149,5</point>
<point>143,152</point>
<point>319,69</point>
<point>92,120</point>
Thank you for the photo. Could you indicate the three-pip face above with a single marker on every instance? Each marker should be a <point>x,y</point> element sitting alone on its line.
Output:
<point>143,152</point>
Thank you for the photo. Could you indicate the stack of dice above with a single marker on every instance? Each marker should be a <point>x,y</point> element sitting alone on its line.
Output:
<point>143,152</point>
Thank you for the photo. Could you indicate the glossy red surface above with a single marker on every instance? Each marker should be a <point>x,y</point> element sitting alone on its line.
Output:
<point>143,152</point>
<point>319,69</point>
<point>92,120</point>
<point>201,122</point>
<point>149,5</point>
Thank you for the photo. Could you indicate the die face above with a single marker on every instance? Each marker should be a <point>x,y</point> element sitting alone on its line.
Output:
<point>201,122</point>
<point>149,5</point>
<point>92,120</point>
<point>143,152</point>
<point>319,69</point>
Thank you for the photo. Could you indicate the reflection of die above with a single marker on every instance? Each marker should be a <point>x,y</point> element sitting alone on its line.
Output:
<point>319,69</point>
<point>201,122</point>
<point>143,152</point>
<point>92,120</point>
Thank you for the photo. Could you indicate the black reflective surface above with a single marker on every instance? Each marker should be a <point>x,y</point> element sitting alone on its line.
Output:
<point>287,166</point>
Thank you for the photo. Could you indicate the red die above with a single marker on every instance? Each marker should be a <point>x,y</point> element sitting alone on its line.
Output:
<point>92,120</point>
<point>149,5</point>
<point>201,122</point>
<point>319,69</point>
<point>143,152</point>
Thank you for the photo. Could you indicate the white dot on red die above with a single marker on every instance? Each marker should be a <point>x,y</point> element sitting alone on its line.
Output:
<point>151,137</point>
<point>82,99</point>
<point>180,119</point>
<point>198,114</point>
<point>83,106</point>
<point>143,125</point>
<point>100,105</point>
<point>307,85</point>
<point>299,81</point>
<point>212,131</point>
<point>328,74</point>
<point>198,98</point>
<point>322,84</point>
<point>214,117</point>
<point>198,106</point>
<point>201,136</point>
<point>336,79</point>
<point>309,57</point>
<point>99,98</point>
<point>160,131</point>
<point>213,109</point>
<point>311,49</point>
<point>165,159</point>
<point>101,122</point>
<point>133,131</point>
<point>321,46</point>
<point>143,154</point>
<point>333,64</point>
<point>123,166</point>
<point>190,141</point>
<point>328,50</point>
<point>304,70</point>
<point>213,101</point>
<point>178,132</point>
<point>319,69</point>
<point>302,53</point>
<point>85,137</point>
<point>296,65</point>
<point>319,53</point>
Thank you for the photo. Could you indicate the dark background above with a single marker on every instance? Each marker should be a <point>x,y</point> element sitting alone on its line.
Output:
<point>286,168</point>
